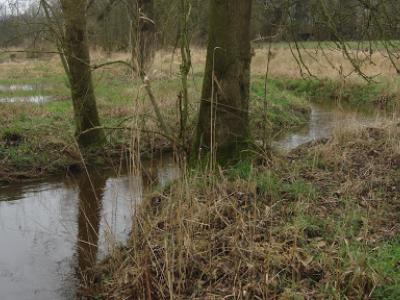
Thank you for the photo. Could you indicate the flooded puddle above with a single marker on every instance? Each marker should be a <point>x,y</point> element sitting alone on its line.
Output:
<point>20,87</point>
<point>32,99</point>
<point>36,90</point>
<point>51,232</point>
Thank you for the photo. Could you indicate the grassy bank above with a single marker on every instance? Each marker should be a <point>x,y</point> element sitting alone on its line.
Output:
<point>320,223</point>
<point>381,95</point>
<point>37,139</point>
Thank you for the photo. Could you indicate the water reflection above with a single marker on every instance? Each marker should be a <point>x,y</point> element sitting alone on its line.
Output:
<point>36,89</point>
<point>52,232</point>
<point>91,191</point>
<point>19,87</point>
<point>323,120</point>
<point>38,99</point>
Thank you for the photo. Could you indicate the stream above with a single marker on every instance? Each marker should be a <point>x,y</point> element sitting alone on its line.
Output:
<point>52,230</point>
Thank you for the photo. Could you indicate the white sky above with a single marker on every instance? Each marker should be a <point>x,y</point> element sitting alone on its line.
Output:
<point>15,6</point>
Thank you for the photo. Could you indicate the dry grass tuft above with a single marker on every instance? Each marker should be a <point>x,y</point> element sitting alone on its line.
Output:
<point>303,232</point>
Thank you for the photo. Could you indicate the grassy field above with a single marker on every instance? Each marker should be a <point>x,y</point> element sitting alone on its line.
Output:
<point>37,139</point>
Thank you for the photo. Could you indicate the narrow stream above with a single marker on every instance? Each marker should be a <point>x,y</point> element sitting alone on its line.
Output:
<point>51,231</point>
<point>325,118</point>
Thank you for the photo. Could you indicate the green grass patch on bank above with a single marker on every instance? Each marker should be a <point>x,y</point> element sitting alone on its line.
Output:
<point>359,95</point>
<point>386,260</point>
<point>354,45</point>
<point>276,108</point>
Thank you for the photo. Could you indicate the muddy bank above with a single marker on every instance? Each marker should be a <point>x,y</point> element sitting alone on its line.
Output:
<point>65,160</point>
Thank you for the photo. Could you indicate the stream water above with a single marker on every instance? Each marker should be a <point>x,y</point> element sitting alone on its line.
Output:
<point>51,231</point>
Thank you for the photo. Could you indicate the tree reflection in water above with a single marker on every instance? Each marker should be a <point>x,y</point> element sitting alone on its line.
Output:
<point>91,191</point>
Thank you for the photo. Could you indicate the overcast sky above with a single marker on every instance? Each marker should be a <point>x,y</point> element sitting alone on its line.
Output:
<point>14,6</point>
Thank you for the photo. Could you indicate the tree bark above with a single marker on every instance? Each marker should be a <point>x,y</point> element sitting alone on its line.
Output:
<point>86,115</point>
<point>223,119</point>
<point>143,35</point>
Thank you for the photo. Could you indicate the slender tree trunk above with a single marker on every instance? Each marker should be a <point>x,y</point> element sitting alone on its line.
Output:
<point>143,35</point>
<point>77,54</point>
<point>223,119</point>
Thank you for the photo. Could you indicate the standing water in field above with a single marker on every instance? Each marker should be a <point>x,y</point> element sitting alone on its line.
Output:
<point>19,87</point>
<point>51,232</point>
<point>8,93</point>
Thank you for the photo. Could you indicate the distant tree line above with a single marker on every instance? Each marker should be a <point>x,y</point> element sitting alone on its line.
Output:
<point>109,21</point>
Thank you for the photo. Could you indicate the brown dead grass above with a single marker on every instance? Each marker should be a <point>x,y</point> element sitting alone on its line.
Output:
<point>304,236</point>
<point>324,63</point>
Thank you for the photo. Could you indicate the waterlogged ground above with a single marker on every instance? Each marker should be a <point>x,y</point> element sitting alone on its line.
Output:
<point>24,93</point>
<point>52,231</point>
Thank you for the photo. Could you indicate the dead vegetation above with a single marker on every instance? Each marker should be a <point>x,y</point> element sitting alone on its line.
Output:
<point>308,230</point>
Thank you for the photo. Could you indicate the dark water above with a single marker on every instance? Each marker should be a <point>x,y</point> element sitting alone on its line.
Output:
<point>52,231</point>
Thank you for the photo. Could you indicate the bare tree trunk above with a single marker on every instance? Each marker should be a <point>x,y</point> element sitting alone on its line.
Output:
<point>143,35</point>
<point>223,119</point>
<point>76,45</point>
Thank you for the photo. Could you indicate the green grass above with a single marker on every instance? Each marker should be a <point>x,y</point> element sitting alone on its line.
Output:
<point>386,260</point>
<point>375,45</point>
<point>51,124</point>
<point>284,109</point>
<point>361,95</point>
<point>287,106</point>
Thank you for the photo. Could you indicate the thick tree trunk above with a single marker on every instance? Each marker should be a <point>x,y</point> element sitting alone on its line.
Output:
<point>143,35</point>
<point>77,54</point>
<point>223,119</point>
